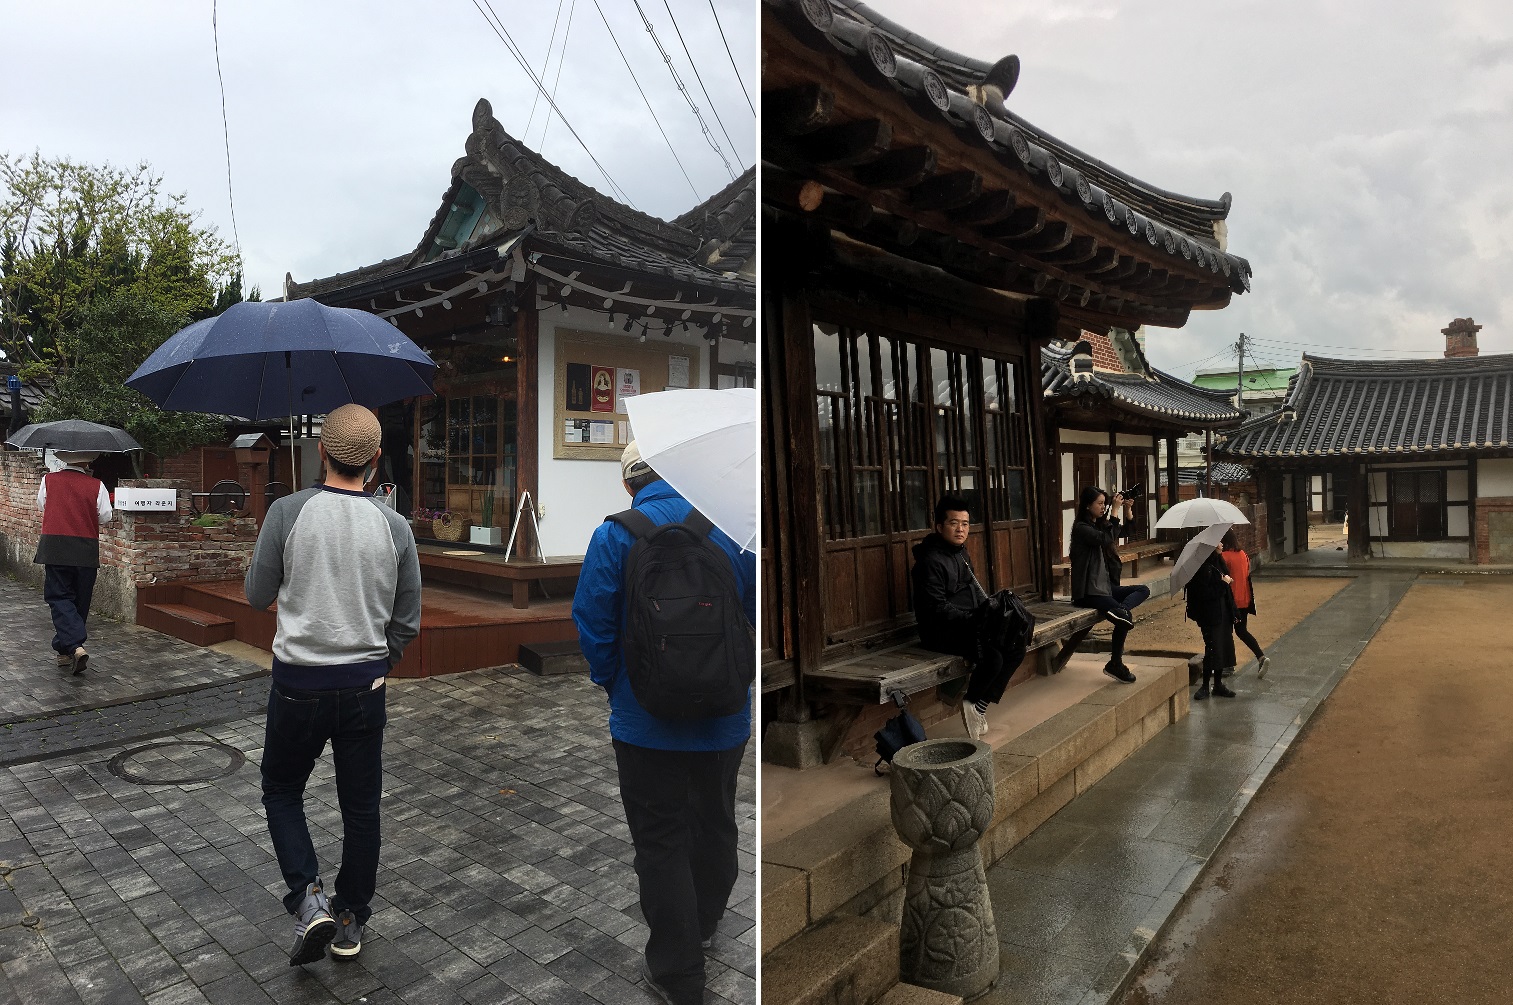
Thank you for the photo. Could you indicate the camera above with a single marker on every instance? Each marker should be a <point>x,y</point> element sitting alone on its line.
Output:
<point>1134,492</point>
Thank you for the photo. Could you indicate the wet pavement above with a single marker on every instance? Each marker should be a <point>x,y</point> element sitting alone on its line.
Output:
<point>505,874</point>
<point>1078,903</point>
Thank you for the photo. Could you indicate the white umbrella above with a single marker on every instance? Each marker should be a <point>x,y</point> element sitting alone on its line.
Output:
<point>1196,553</point>
<point>1200,512</point>
<point>704,444</point>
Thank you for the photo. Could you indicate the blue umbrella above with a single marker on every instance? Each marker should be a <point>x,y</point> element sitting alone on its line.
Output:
<point>269,360</point>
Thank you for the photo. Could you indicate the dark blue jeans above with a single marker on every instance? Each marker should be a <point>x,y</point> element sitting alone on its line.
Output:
<point>299,724</point>
<point>1127,597</point>
<point>68,590</point>
<point>680,806</point>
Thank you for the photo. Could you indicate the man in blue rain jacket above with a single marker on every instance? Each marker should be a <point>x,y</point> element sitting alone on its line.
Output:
<point>677,777</point>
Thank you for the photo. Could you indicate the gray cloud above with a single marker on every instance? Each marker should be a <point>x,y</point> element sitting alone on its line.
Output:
<point>345,117</point>
<point>1365,145</point>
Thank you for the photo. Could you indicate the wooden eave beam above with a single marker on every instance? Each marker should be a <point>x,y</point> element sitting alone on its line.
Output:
<point>902,168</point>
<point>789,64</point>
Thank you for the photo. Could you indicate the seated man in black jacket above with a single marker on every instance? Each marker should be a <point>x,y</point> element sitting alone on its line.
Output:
<point>948,605</point>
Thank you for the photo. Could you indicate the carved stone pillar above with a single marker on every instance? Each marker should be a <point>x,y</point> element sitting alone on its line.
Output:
<point>942,804</point>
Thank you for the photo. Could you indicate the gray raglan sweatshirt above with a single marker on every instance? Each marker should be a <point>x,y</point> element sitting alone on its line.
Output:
<point>345,573</point>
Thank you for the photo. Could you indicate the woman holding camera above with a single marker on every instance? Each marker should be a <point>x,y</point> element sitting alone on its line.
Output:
<point>1096,567</point>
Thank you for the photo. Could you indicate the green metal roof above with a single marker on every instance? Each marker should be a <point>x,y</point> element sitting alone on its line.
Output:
<point>1255,380</point>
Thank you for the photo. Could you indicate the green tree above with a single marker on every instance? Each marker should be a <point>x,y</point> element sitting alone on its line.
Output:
<point>98,267</point>
<point>72,234</point>
<point>120,331</point>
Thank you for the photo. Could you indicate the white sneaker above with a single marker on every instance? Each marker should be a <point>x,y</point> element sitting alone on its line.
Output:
<point>1262,665</point>
<point>975,721</point>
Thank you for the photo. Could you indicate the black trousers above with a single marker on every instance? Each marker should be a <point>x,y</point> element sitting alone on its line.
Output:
<point>680,806</point>
<point>68,590</point>
<point>1243,634</point>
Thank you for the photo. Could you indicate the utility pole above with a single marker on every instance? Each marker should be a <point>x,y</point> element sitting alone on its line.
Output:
<point>1240,375</point>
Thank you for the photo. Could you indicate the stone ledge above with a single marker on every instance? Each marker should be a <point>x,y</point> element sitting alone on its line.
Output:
<point>826,867</point>
<point>850,960</point>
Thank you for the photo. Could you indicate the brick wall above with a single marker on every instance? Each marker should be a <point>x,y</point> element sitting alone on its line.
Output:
<point>1493,543</point>
<point>136,549</point>
<point>183,467</point>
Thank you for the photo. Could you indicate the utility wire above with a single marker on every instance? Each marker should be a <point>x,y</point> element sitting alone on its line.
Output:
<point>644,98</point>
<point>215,33</point>
<point>700,78</point>
<point>546,60</point>
<point>714,143</point>
<point>1350,348</point>
<point>561,59</point>
<point>509,42</point>
<point>733,65</point>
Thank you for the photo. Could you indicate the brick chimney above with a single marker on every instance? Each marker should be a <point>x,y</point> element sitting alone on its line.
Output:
<point>1460,338</point>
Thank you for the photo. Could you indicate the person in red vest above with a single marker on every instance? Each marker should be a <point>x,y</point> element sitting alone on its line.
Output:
<point>73,503</point>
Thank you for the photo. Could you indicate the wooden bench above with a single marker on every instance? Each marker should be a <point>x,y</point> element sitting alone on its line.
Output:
<point>870,676</point>
<point>491,572</point>
<point>1130,555</point>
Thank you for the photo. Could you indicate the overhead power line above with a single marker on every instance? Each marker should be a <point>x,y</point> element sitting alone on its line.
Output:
<point>700,78</point>
<point>544,62</point>
<point>561,59</point>
<point>1320,345</point>
<point>733,65</point>
<point>703,126</point>
<point>653,111</point>
<point>215,33</point>
<point>497,25</point>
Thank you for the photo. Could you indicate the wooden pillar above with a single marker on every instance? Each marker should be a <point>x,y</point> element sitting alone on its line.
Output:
<point>1208,462</point>
<point>528,391</point>
<point>1358,540</point>
<point>804,526</point>
<point>1173,490</point>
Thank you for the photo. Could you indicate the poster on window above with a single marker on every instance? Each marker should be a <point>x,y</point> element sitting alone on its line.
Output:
<point>580,381</point>
<point>603,397</point>
<point>627,385</point>
<point>677,371</point>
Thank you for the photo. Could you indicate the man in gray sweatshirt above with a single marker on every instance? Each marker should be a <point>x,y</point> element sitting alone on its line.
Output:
<point>345,573</point>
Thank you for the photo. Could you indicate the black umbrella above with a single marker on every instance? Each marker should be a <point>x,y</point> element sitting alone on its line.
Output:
<point>76,435</point>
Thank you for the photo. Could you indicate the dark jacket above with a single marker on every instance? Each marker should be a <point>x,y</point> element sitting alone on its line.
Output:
<point>945,595</point>
<point>1210,601</point>
<point>1091,542</point>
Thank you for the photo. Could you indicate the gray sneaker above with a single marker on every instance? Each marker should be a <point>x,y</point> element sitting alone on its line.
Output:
<point>1262,665</point>
<point>349,933</point>
<point>314,928</point>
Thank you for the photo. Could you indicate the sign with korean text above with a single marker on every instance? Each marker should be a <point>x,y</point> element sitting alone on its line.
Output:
<point>132,500</point>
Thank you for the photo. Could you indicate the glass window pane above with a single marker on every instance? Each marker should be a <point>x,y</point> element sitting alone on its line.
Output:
<point>940,376</point>
<point>862,347</point>
<point>827,360</point>
<point>1017,510</point>
<point>1010,396</point>
<point>918,505</point>
<point>869,502</point>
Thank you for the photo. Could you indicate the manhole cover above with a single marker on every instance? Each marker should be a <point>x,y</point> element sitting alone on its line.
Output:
<point>176,762</point>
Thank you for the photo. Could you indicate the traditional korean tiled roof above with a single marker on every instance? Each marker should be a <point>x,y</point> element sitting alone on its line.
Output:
<point>1224,473</point>
<point>32,393</point>
<point>1377,408</point>
<point>1154,394</point>
<point>707,246</point>
<point>1113,241</point>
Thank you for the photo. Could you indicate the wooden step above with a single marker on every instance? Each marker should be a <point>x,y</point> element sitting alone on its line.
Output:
<point>188,623</point>
<point>545,658</point>
<point>841,959</point>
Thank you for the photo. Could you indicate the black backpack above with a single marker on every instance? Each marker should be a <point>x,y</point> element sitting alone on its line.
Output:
<point>689,650</point>
<point>897,733</point>
<point>1009,625</point>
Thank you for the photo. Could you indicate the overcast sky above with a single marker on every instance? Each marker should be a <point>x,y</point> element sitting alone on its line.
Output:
<point>1368,146</point>
<point>345,117</point>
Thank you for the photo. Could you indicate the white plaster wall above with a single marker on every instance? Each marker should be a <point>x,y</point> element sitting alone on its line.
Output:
<point>1150,494</point>
<point>1457,522</point>
<point>1067,517</point>
<point>1083,436</point>
<point>1457,485</point>
<point>1067,488</point>
<point>1133,440</point>
<point>1494,477</point>
<point>578,495</point>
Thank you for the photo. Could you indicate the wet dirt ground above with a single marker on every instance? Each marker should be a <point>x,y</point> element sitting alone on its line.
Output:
<point>1372,867</point>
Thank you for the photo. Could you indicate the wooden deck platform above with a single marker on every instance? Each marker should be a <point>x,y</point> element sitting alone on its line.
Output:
<point>460,628</point>
<point>521,578</point>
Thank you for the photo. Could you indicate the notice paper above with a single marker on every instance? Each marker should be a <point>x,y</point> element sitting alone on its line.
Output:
<point>677,371</point>
<point>627,385</point>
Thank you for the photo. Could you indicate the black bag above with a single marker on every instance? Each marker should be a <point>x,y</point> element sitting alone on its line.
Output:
<point>689,650</point>
<point>1006,624</point>
<point>897,733</point>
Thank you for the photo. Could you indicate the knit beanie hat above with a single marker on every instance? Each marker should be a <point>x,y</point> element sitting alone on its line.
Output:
<point>351,434</point>
<point>631,465</point>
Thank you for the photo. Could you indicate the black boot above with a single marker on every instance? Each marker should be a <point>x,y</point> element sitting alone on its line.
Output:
<point>1222,690</point>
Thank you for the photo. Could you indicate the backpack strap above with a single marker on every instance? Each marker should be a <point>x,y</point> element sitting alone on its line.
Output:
<point>635,521</point>
<point>698,523</point>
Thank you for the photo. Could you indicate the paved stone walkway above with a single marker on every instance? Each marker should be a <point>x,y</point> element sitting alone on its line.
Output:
<point>1078,902</point>
<point>126,662</point>
<point>505,874</point>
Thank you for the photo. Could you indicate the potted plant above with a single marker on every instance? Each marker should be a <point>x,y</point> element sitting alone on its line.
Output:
<point>487,533</point>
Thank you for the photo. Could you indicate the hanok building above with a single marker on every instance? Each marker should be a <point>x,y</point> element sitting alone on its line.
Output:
<point>1420,448</point>
<point>545,304</point>
<point>1111,411</point>
<point>922,243</point>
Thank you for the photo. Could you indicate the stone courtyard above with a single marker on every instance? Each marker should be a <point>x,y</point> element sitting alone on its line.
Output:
<point>136,866</point>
